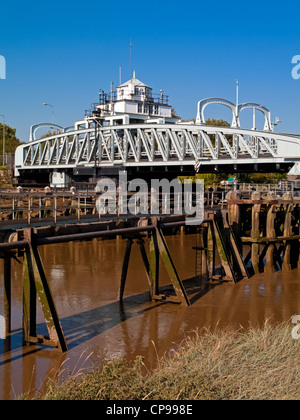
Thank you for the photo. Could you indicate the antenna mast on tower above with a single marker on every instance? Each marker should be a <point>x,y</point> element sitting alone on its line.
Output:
<point>131,59</point>
<point>237,92</point>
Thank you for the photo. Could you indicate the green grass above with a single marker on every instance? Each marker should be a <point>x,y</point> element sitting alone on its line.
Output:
<point>248,365</point>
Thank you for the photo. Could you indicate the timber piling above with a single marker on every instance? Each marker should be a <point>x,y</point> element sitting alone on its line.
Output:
<point>249,236</point>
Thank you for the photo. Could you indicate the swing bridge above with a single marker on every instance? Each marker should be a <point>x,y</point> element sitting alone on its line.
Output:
<point>94,151</point>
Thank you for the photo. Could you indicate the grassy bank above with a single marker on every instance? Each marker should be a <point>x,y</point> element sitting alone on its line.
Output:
<point>249,364</point>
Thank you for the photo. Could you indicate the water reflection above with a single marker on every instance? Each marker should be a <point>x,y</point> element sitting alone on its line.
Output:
<point>84,278</point>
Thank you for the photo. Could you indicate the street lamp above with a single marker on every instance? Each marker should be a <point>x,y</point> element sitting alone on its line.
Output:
<point>52,111</point>
<point>3,158</point>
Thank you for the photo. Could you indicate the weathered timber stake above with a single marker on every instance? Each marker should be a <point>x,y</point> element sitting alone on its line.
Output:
<point>211,251</point>
<point>255,232</point>
<point>270,232</point>
<point>7,293</point>
<point>154,265</point>
<point>47,303</point>
<point>236,252</point>
<point>219,233</point>
<point>170,267</point>
<point>125,268</point>
<point>146,263</point>
<point>35,284</point>
<point>29,298</point>
<point>288,231</point>
<point>234,216</point>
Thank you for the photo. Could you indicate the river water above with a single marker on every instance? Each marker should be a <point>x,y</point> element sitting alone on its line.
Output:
<point>84,279</point>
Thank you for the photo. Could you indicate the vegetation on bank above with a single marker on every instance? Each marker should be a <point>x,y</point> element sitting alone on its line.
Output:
<point>255,178</point>
<point>248,364</point>
<point>11,140</point>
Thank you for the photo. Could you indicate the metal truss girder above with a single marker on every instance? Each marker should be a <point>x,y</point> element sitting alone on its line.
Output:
<point>143,144</point>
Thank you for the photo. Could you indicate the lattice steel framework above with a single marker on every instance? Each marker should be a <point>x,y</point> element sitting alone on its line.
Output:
<point>156,144</point>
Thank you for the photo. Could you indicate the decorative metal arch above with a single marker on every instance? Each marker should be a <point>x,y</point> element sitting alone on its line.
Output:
<point>219,101</point>
<point>35,127</point>
<point>261,108</point>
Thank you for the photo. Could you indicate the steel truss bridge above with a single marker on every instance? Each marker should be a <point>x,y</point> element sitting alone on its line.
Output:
<point>158,147</point>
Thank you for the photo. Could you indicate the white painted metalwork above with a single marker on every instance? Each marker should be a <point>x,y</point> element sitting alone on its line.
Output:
<point>200,119</point>
<point>267,114</point>
<point>156,144</point>
<point>51,126</point>
<point>235,109</point>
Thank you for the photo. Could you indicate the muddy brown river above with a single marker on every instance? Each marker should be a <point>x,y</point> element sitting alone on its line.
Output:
<point>84,279</point>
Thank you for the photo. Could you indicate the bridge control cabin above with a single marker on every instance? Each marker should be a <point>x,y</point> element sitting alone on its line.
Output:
<point>132,103</point>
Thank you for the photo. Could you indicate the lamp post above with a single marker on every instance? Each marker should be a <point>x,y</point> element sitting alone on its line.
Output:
<point>3,159</point>
<point>52,111</point>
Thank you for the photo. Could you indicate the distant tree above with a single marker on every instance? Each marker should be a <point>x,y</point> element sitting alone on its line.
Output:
<point>174,114</point>
<point>245,178</point>
<point>49,134</point>
<point>218,123</point>
<point>11,141</point>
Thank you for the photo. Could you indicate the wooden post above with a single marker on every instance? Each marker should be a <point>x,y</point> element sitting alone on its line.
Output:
<point>218,231</point>
<point>239,266</point>
<point>56,335</point>
<point>287,231</point>
<point>255,231</point>
<point>271,234</point>
<point>295,254</point>
<point>211,252</point>
<point>154,265</point>
<point>146,264</point>
<point>125,268</point>
<point>234,216</point>
<point>35,284</point>
<point>29,298</point>
<point>170,267</point>
<point>7,293</point>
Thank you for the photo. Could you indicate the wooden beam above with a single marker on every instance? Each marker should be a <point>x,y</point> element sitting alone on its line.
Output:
<point>287,231</point>
<point>55,331</point>
<point>271,233</point>
<point>170,267</point>
<point>7,293</point>
<point>29,298</point>
<point>154,265</point>
<point>255,232</point>
<point>125,268</point>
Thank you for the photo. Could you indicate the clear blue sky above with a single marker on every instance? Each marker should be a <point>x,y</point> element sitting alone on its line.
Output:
<point>63,52</point>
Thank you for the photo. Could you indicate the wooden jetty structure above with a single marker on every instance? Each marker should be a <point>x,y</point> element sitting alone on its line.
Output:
<point>249,235</point>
